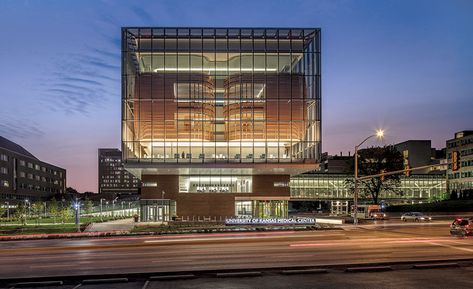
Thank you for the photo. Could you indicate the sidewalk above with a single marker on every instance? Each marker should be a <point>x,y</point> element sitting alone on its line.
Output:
<point>117,225</point>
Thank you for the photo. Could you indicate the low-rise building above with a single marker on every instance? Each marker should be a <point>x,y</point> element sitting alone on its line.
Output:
<point>418,153</point>
<point>24,177</point>
<point>460,164</point>
<point>335,187</point>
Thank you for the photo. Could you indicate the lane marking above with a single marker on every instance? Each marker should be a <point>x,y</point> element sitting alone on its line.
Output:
<point>453,247</point>
<point>52,265</point>
<point>239,238</point>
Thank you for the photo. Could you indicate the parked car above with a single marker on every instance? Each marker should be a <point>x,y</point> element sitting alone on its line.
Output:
<point>415,217</point>
<point>462,227</point>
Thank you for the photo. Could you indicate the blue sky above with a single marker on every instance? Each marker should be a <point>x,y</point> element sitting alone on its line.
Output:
<point>406,66</point>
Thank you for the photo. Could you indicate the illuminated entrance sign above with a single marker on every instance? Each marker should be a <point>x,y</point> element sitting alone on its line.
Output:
<point>270,221</point>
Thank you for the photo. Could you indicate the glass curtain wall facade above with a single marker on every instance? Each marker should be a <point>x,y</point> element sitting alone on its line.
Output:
<point>334,187</point>
<point>201,95</point>
<point>217,116</point>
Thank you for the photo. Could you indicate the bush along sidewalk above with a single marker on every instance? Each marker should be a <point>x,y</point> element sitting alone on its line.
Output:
<point>166,231</point>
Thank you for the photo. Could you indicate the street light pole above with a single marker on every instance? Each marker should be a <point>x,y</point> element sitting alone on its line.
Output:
<point>76,215</point>
<point>162,205</point>
<point>8,211</point>
<point>379,134</point>
<point>27,215</point>
<point>101,211</point>
<point>113,206</point>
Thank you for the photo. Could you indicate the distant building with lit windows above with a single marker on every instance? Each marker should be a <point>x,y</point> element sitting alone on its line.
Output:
<point>418,153</point>
<point>215,121</point>
<point>114,180</point>
<point>460,178</point>
<point>25,177</point>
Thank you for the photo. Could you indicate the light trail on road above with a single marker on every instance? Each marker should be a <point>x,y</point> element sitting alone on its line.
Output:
<point>363,245</point>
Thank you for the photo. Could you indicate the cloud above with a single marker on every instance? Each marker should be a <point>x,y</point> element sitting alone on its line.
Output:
<point>81,82</point>
<point>144,16</point>
<point>20,128</point>
<point>106,53</point>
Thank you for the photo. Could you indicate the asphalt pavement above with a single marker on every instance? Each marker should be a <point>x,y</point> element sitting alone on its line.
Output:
<point>366,244</point>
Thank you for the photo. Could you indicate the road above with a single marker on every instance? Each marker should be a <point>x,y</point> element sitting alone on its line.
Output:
<point>367,244</point>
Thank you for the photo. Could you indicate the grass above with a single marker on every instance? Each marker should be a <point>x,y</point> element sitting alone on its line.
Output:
<point>50,220</point>
<point>46,225</point>
<point>37,229</point>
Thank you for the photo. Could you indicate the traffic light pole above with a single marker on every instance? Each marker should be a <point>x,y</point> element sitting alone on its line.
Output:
<point>397,172</point>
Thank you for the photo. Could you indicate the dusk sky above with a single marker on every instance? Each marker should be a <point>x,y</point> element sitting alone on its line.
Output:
<point>405,66</point>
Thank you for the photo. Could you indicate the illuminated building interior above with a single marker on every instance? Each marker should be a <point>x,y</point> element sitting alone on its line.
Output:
<point>234,97</point>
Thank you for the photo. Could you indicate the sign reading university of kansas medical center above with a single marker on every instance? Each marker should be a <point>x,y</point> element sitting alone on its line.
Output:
<point>270,221</point>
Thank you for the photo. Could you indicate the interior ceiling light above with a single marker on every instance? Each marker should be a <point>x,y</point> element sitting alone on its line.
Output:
<point>212,69</point>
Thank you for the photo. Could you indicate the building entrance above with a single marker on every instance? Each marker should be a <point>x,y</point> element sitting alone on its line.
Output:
<point>261,209</point>
<point>157,210</point>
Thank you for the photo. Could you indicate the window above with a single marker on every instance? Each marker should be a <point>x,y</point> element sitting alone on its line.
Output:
<point>22,174</point>
<point>37,167</point>
<point>3,157</point>
<point>30,165</point>
<point>3,170</point>
<point>243,209</point>
<point>150,184</point>
<point>22,163</point>
<point>215,184</point>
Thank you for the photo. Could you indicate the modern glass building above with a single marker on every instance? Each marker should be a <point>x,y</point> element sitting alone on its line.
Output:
<point>218,119</point>
<point>334,187</point>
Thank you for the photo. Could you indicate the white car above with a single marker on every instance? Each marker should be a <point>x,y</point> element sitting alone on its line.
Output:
<point>415,217</point>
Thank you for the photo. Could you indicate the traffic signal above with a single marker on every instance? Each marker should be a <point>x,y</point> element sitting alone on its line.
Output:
<point>407,172</point>
<point>455,161</point>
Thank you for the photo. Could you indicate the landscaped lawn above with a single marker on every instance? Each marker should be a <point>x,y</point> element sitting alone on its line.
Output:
<point>45,226</point>
<point>33,229</point>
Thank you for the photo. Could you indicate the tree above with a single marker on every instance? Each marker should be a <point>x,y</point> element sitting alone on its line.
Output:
<point>54,209</point>
<point>37,208</point>
<point>65,212</point>
<point>88,205</point>
<point>3,209</point>
<point>372,161</point>
<point>20,213</point>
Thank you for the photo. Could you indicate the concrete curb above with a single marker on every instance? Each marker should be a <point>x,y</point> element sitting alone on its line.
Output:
<point>435,265</point>
<point>238,274</point>
<point>304,271</point>
<point>104,281</point>
<point>368,269</point>
<point>37,284</point>
<point>172,277</point>
<point>398,265</point>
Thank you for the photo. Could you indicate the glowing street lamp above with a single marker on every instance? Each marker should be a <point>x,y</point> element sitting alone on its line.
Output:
<point>379,134</point>
<point>76,206</point>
